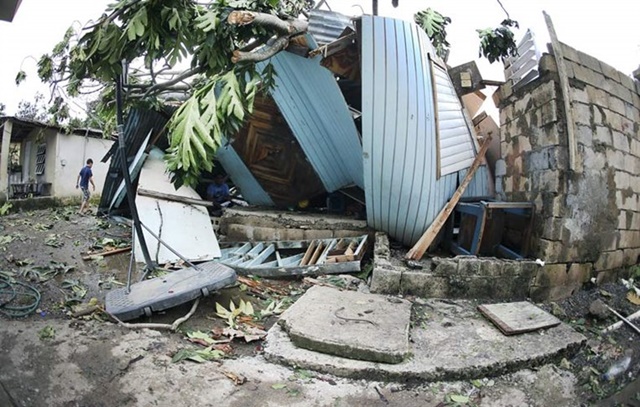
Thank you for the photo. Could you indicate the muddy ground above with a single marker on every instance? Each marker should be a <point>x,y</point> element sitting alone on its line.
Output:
<point>49,358</point>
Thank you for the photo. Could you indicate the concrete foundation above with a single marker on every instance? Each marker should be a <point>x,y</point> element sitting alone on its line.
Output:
<point>449,341</point>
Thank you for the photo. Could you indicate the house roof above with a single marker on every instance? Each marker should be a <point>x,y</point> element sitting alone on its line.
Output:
<point>22,127</point>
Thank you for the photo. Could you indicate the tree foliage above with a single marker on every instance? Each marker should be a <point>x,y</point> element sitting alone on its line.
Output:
<point>156,38</point>
<point>434,24</point>
<point>498,43</point>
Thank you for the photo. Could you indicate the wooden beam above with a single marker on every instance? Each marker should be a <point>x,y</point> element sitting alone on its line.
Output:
<point>566,91</point>
<point>417,251</point>
<point>174,198</point>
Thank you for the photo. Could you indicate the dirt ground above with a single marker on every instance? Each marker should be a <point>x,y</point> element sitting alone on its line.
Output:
<point>49,358</point>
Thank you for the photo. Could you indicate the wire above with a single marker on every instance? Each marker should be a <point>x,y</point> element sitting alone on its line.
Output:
<point>17,300</point>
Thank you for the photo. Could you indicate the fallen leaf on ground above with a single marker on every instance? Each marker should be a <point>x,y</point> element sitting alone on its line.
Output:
<point>235,378</point>
<point>633,298</point>
<point>278,386</point>
<point>457,398</point>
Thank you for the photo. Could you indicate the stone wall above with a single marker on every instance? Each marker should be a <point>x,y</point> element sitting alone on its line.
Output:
<point>588,218</point>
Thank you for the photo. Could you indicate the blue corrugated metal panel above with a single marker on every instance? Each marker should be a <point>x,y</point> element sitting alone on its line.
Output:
<point>326,26</point>
<point>311,102</point>
<point>251,190</point>
<point>399,137</point>
<point>479,185</point>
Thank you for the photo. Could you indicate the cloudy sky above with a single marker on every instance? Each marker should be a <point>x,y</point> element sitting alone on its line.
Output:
<point>605,29</point>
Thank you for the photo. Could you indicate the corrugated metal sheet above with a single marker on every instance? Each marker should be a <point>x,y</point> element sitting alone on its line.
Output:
<point>136,128</point>
<point>456,148</point>
<point>326,26</point>
<point>399,135</point>
<point>251,190</point>
<point>479,185</point>
<point>310,100</point>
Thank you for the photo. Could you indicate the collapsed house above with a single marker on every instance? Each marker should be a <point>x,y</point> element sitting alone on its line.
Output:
<point>345,116</point>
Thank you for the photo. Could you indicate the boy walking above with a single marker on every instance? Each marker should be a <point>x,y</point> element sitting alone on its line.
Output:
<point>84,178</point>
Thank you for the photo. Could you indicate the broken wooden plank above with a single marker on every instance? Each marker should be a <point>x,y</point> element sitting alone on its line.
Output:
<point>173,198</point>
<point>518,317</point>
<point>417,251</point>
<point>566,90</point>
<point>106,253</point>
<point>317,253</point>
<point>308,253</point>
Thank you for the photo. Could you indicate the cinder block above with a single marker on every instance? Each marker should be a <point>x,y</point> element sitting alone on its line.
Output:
<point>580,273</point>
<point>550,251</point>
<point>581,114</point>
<point>598,96</point>
<point>587,75</point>
<point>501,168</point>
<point>551,275</point>
<point>423,284</point>
<point>609,260</point>
<point>629,239</point>
<point>609,71</point>
<point>444,266</point>
<point>621,91</point>
<point>594,160</point>
<point>628,82</point>
<point>589,61</point>
<point>617,105</point>
<point>622,219</point>
<point>317,234</point>
<point>238,232</point>
<point>603,135</point>
<point>548,113</point>
<point>634,149</point>
<point>386,280</point>
<point>615,158</point>
<point>607,276</point>
<point>468,265</point>
<point>631,257</point>
<point>622,180</point>
<point>292,234</point>
<point>570,53</point>
<point>553,229</point>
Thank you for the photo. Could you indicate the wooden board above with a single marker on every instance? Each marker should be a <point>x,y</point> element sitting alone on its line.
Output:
<point>518,317</point>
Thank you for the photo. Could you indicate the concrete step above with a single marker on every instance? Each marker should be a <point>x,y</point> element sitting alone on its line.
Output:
<point>450,340</point>
<point>350,324</point>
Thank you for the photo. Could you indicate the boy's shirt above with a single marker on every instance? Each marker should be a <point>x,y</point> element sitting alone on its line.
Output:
<point>85,176</point>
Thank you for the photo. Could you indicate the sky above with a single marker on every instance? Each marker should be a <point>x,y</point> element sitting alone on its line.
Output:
<point>606,30</point>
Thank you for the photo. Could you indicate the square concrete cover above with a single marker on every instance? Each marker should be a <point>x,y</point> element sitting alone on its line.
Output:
<point>518,317</point>
<point>350,324</point>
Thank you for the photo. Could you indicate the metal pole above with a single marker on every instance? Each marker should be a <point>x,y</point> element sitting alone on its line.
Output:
<point>374,4</point>
<point>168,247</point>
<point>125,174</point>
<point>131,259</point>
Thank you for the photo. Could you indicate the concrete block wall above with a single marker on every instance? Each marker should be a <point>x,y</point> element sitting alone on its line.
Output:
<point>588,218</point>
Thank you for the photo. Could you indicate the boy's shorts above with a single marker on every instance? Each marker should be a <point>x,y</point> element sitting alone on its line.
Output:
<point>85,194</point>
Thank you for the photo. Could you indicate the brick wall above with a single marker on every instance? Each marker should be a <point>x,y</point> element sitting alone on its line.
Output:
<point>588,218</point>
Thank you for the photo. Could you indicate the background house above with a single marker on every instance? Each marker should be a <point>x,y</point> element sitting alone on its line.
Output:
<point>41,160</point>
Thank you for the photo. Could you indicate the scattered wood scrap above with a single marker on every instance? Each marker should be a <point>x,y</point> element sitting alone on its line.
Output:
<point>105,253</point>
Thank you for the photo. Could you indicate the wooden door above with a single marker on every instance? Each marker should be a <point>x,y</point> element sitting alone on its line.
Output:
<point>271,152</point>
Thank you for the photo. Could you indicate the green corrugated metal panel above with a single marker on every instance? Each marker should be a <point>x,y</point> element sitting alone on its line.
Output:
<point>251,190</point>
<point>310,100</point>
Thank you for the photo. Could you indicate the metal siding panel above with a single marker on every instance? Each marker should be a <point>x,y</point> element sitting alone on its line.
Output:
<point>367,52</point>
<point>453,129</point>
<point>478,185</point>
<point>311,102</point>
<point>423,215</point>
<point>414,161</point>
<point>250,188</point>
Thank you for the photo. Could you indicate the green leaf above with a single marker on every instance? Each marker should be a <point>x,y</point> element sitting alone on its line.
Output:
<point>457,398</point>
<point>278,386</point>
<point>20,77</point>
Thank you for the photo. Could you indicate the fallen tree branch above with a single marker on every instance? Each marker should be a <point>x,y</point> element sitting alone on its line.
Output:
<point>169,327</point>
<point>104,253</point>
<point>268,21</point>
<point>262,53</point>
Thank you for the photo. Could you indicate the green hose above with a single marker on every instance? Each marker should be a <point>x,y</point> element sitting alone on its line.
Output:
<point>17,300</point>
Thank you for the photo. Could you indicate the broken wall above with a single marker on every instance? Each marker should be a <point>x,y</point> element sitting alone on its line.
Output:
<point>588,217</point>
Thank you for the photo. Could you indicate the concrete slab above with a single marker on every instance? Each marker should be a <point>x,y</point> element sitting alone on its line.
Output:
<point>350,324</point>
<point>449,341</point>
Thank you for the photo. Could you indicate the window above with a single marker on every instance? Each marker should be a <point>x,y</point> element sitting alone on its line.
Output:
<point>40,157</point>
